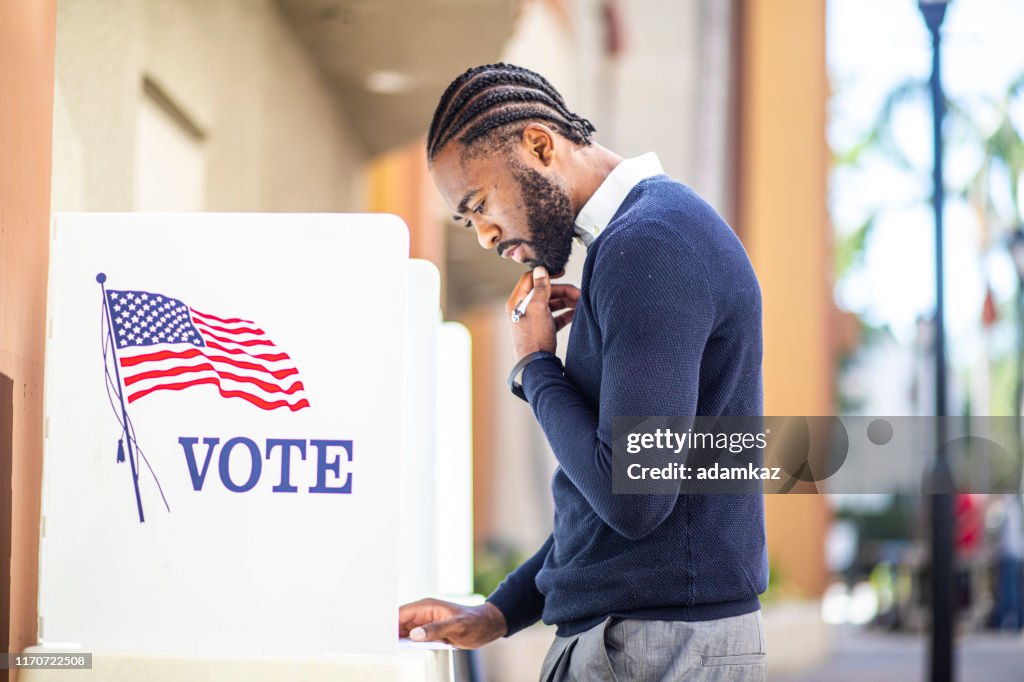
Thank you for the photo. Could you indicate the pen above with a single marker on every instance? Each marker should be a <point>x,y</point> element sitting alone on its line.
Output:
<point>520,310</point>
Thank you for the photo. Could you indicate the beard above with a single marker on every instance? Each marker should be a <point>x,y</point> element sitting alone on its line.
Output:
<point>550,219</point>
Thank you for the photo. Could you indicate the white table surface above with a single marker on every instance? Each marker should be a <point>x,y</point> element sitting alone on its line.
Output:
<point>414,662</point>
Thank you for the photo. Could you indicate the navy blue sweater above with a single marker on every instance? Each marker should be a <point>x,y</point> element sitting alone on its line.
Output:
<point>668,324</point>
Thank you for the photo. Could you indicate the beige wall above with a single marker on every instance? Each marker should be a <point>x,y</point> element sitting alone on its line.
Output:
<point>647,99</point>
<point>26,81</point>
<point>275,136</point>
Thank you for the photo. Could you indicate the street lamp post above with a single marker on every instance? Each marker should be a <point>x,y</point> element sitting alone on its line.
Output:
<point>940,663</point>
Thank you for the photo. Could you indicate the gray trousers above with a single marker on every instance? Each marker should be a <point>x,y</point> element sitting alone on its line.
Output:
<point>626,650</point>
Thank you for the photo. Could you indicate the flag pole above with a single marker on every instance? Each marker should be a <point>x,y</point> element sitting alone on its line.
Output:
<point>101,278</point>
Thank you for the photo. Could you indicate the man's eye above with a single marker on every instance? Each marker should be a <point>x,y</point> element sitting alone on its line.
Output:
<point>469,224</point>
<point>479,208</point>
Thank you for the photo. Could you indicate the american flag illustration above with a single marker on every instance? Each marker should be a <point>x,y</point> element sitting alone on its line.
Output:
<point>162,344</point>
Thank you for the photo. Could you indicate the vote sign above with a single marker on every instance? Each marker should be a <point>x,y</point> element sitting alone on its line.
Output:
<point>223,421</point>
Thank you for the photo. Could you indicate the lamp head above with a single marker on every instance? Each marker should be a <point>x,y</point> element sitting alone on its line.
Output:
<point>934,12</point>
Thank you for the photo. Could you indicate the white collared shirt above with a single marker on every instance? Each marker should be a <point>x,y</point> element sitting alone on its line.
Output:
<point>605,202</point>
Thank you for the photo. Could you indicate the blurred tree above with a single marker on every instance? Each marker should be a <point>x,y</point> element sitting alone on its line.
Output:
<point>1001,171</point>
<point>994,191</point>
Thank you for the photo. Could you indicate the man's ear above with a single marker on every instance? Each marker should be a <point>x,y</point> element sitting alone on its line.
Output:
<point>539,142</point>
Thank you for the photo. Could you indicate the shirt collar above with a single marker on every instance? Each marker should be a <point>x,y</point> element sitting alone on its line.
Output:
<point>605,202</point>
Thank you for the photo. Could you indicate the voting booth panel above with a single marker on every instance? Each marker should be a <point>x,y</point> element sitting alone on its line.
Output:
<point>453,490</point>
<point>436,507</point>
<point>224,434</point>
<point>416,575</point>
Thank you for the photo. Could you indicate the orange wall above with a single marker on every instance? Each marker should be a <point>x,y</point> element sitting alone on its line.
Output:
<point>783,167</point>
<point>480,323</point>
<point>400,183</point>
<point>27,32</point>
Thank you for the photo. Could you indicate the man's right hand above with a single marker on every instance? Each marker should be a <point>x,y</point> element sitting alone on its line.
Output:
<point>465,627</point>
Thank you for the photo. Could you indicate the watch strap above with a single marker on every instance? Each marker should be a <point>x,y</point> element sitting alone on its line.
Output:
<point>515,386</point>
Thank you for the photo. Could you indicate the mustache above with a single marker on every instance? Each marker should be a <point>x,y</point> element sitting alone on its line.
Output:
<point>511,243</point>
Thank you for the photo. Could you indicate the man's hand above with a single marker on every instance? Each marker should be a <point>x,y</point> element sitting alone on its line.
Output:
<point>465,627</point>
<point>536,329</point>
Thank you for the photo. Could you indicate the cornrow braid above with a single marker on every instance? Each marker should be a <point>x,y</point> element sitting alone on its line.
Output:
<point>478,77</point>
<point>527,80</point>
<point>490,97</point>
<point>490,100</point>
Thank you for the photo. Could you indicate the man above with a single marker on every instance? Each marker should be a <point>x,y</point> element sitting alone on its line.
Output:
<point>667,321</point>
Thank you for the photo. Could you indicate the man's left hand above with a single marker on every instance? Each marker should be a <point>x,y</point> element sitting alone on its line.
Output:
<point>536,329</point>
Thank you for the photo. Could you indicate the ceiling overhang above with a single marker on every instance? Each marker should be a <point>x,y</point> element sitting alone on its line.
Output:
<point>389,60</point>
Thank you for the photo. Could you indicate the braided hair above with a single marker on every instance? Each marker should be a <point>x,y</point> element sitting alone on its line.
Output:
<point>488,98</point>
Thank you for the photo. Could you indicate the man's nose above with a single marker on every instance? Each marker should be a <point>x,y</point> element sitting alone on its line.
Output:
<point>488,234</point>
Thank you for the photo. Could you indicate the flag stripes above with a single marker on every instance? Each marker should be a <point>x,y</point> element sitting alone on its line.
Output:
<point>195,348</point>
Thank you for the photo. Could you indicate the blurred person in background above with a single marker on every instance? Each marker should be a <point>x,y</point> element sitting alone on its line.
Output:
<point>1009,611</point>
<point>667,321</point>
<point>969,528</point>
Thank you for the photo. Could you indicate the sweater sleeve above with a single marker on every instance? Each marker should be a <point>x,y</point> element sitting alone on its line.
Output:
<point>654,306</point>
<point>517,597</point>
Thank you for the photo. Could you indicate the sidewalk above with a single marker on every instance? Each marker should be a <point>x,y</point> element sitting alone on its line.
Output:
<point>869,655</point>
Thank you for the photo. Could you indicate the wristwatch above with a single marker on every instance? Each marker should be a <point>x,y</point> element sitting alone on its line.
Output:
<point>515,386</point>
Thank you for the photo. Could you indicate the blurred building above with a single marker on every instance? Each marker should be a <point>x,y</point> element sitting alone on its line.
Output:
<point>322,105</point>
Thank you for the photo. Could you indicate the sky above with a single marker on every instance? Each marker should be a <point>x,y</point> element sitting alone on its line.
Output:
<point>874,45</point>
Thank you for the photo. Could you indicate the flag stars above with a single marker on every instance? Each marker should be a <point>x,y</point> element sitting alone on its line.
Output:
<point>142,318</point>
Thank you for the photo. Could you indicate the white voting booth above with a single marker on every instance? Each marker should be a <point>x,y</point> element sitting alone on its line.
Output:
<point>453,500</point>
<point>416,527</point>
<point>257,445</point>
